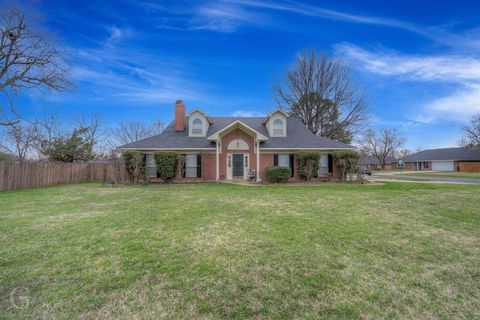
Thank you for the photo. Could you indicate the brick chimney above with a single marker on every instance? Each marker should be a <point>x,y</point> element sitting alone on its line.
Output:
<point>179,115</point>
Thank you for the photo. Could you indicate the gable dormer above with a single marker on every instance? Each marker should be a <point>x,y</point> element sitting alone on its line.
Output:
<point>276,123</point>
<point>198,123</point>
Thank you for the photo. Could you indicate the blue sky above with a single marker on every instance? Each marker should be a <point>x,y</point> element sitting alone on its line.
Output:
<point>418,62</point>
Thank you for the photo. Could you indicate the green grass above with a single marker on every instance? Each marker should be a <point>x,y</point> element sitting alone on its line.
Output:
<point>460,175</point>
<point>225,251</point>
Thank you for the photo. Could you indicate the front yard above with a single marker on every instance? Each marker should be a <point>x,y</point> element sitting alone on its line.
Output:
<point>225,251</point>
<point>460,175</point>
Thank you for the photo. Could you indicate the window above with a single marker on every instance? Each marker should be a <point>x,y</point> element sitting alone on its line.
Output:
<point>191,166</point>
<point>150,165</point>
<point>284,160</point>
<point>278,127</point>
<point>197,126</point>
<point>323,165</point>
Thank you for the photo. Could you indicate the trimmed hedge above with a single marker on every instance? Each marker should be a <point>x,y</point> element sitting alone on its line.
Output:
<point>166,163</point>
<point>278,174</point>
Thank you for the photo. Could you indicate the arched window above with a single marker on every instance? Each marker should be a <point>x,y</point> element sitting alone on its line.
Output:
<point>197,127</point>
<point>278,127</point>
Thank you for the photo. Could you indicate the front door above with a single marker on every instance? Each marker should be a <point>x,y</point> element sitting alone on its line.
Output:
<point>238,166</point>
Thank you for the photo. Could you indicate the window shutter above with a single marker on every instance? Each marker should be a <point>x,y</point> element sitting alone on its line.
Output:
<point>330,163</point>
<point>199,165</point>
<point>184,165</point>
<point>275,159</point>
<point>291,165</point>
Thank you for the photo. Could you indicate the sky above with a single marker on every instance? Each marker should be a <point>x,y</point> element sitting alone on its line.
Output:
<point>417,62</point>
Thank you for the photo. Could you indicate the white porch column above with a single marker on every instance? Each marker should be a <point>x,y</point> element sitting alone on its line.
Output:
<point>258,161</point>
<point>217,160</point>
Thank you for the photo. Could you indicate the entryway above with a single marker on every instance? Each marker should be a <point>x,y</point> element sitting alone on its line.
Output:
<point>238,166</point>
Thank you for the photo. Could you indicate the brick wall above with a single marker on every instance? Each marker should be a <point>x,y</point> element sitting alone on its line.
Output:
<point>469,166</point>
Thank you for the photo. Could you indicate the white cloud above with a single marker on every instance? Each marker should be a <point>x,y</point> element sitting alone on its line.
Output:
<point>244,113</point>
<point>450,68</point>
<point>460,105</point>
<point>223,17</point>
<point>462,71</point>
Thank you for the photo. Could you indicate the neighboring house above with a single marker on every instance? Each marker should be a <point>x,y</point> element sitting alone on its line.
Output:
<point>446,159</point>
<point>372,163</point>
<point>227,148</point>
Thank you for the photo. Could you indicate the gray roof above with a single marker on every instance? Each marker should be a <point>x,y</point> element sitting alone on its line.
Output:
<point>464,154</point>
<point>374,160</point>
<point>298,136</point>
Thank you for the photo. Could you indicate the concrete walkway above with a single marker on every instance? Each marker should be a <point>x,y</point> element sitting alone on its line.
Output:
<point>397,176</point>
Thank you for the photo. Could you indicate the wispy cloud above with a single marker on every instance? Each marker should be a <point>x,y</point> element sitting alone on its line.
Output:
<point>223,17</point>
<point>244,113</point>
<point>451,68</point>
<point>467,39</point>
<point>462,71</point>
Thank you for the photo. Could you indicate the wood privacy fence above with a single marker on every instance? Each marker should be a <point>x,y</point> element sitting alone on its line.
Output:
<point>15,176</point>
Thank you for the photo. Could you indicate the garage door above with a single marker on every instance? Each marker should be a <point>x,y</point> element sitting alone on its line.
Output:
<point>442,166</point>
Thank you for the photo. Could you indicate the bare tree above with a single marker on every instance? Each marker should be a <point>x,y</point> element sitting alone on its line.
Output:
<point>319,91</point>
<point>403,153</point>
<point>381,145</point>
<point>471,138</point>
<point>48,128</point>
<point>27,61</point>
<point>19,140</point>
<point>128,132</point>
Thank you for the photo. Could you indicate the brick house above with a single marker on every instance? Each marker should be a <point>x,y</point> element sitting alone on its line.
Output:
<point>228,148</point>
<point>372,163</point>
<point>445,159</point>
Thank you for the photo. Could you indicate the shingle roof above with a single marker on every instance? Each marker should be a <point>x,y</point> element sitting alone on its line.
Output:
<point>444,154</point>
<point>374,160</point>
<point>298,136</point>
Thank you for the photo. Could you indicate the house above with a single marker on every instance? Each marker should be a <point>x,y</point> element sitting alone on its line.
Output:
<point>372,163</point>
<point>227,148</point>
<point>446,159</point>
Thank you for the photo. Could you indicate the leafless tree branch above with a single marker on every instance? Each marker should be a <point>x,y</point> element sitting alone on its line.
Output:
<point>319,91</point>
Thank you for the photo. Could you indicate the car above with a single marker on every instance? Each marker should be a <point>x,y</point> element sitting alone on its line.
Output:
<point>366,171</point>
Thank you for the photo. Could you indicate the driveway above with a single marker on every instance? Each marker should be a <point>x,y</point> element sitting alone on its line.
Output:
<point>378,176</point>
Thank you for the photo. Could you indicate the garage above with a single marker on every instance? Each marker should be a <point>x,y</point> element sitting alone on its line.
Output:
<point>443,166</point>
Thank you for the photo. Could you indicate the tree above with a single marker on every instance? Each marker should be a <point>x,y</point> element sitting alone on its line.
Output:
<point>27,61</point>
<point>19,139</point>
<point>75,147</point>
<point>319,92</point>
<point>382,145</point>
<point>128,132</point>
<point>308,164</point>
<point>347,162</point>
<point>403,153</point>
<point>471,138</point>
<point>48,128</point>
<point>167,164</point>
<point>5,156</point>
<point>134,164</point>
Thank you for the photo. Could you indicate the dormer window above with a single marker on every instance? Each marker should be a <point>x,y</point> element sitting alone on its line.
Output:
<point>278,127</point>
<point>197,126</point>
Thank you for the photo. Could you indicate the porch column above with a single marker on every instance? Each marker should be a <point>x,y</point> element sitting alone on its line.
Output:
<point>217,160</point>
<point>258,161</point>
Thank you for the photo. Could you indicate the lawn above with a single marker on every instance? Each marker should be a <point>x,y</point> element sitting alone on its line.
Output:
<point>225,251</point>
<point>460,175</point>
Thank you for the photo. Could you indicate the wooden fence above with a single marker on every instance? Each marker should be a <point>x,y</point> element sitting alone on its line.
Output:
<point>15,176</point>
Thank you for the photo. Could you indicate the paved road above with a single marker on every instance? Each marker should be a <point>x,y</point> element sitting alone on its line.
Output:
<point>406,177</point>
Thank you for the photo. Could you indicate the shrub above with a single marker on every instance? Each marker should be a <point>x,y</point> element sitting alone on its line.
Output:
<point>307,164</point>
<point>166,163</point>
<point>347,162</point>
<point>278,174</point>
<point>134,164</point>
